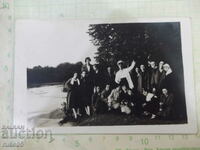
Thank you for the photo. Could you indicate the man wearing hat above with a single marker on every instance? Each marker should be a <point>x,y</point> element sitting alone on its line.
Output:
<point>123,74</point>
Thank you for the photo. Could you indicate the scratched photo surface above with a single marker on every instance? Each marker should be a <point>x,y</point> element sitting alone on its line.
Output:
<point>102,74</point>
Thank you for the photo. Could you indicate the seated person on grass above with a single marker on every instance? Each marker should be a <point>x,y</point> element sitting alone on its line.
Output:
<point>151,106</point>
<point>98,105</point>
<point>105,93</point>
<point>166,103</point>
<point>114,99</point>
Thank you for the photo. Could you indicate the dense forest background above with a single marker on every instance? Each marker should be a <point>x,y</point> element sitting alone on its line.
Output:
<point>142,42</point>
<point>139,41</point>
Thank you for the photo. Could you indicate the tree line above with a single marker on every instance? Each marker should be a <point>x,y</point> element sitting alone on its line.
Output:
<point>45,75</point>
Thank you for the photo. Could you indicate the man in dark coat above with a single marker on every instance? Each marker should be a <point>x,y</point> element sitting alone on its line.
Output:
<point>98,79</point>
<point>109,77</point>
<point>145,77</point>
<point>166,104</point>
<point>169,79</point>
<point>153,76</point>
<point>161,77</point>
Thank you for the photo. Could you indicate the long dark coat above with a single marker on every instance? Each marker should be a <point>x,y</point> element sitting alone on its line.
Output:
<point>85,91</point>
<point>167,106</point>
<point>72,94</point>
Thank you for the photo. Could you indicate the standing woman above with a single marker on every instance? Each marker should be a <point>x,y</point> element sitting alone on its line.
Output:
<point>72,96</point>
<point>85,96</point>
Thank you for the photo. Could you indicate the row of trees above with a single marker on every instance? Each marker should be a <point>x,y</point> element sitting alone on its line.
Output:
<point>41,75</point>
<point>139,41</point>
<point>142,42</point>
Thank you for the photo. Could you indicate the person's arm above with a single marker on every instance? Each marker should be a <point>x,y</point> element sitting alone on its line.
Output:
<point>68,85</point>
<point>78,81</point>
<point>93,100</point>
<point>72,81</point>
<point>131,66</point>
<point>117,78</point>
<point>103,94</point>
<point>110,97</point>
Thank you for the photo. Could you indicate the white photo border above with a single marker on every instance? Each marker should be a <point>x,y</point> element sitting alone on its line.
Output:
<point>20,87</point>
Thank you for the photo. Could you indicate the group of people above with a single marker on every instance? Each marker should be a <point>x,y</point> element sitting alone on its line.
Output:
<point>139,89</point>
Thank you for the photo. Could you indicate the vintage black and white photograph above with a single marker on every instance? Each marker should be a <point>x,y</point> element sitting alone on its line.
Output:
<point>96,74</point>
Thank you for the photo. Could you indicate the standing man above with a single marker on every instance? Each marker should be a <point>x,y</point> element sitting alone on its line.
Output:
<point>97,76</point>
<point>123,74</point>
<point>145,77</point>
<point>109,77</point>
<point>154,76</point>
<point>87,67</point>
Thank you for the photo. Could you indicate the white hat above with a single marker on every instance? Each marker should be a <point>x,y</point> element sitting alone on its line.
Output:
<point>120,62</point>
<point>166,65</point>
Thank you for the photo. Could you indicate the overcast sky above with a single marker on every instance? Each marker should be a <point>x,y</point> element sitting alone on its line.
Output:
<point>49,43</point>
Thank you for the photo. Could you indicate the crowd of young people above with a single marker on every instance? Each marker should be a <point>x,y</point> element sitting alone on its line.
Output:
<point>144,89</point>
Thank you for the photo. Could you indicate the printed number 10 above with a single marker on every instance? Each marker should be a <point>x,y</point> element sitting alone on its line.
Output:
<point>145,141</point>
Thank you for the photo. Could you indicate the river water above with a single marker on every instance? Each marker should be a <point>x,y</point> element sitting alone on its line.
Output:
<point>44,105</point>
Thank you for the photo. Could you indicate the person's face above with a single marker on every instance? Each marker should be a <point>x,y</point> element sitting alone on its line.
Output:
<point>95,89</point>
<point>120,65</point>
<point>75,75</point>
<point>145,93</point>
<point>153,64</point>
<point>161,63</point>
<point>95,67</point>
<point>142,67</point>
<point>107,87</point>
<point>87,61</point>
<point>109,69</point>
<point>164,91</point>
<point>98,89</point>
<point>83,74</point>
<point>137,70</point>
<point>166,68</point>
<point>129,92</point>
<point>124,88</point>
<point>118,88</point>
<point>154,90</point>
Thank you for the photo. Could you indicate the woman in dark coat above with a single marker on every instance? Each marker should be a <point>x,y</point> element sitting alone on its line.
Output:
<point>72,86</point>
<point>85,93</point>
